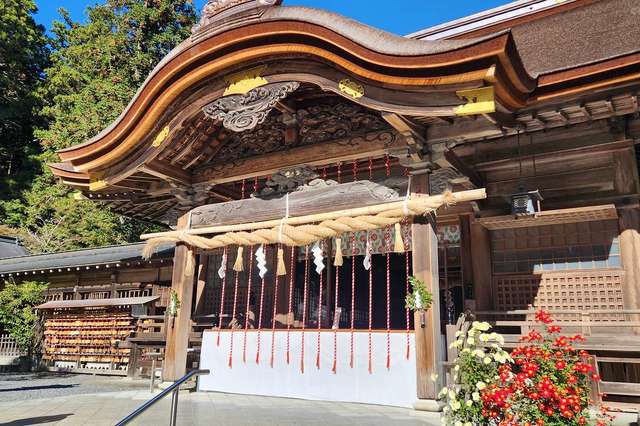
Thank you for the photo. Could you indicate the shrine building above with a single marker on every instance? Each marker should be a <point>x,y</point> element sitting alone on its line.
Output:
<point>309,165</point>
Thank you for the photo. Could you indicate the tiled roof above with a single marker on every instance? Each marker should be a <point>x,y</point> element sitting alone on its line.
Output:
<point>9,247</point>
<point>79,258</point>
<point>91,303</point>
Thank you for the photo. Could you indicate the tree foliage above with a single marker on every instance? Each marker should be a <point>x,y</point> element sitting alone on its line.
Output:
<point>23,57</point>
<point>17,313</point>
<point>95,69</point>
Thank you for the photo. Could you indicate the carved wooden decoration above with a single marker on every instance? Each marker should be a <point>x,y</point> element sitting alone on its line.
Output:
<point>244,112</point>
<point>324,122</point>
<point>310,201</point>
<point>293,179</point>
<point>217,9</point>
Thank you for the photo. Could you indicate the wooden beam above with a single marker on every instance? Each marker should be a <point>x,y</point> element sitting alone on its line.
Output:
<point>427,324</point>
<point>360,193</point>
<point>412,133</point>
<point>372,144</point>
<point>595,179</point>
<point>464,130</point>
<point>549,151</point>
<point>461,166</point>
<point>179,327</point>
<point>166,172</point>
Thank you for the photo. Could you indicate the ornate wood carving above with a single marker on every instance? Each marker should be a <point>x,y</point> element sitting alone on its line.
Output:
<point>288,180</point>
<point>319,123</point>
<point>310,201</point>
<point>368,144</point>
<point>441,180</point>
<point>265,138</point>
<point>215,9</point>
<point>244,112</point>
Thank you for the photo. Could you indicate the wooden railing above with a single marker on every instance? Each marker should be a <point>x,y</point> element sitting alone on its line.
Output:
<point>9,347</point>
<point>610,337</point>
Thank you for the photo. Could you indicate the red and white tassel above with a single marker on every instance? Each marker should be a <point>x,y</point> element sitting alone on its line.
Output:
<point>319,321</point>
<point>273,319</point>
<point>290,316</point>
<point>224,287</point>
<point>233,316</point>
<point>304,306</point>
<point>260,315</point>
<point>248,305</point>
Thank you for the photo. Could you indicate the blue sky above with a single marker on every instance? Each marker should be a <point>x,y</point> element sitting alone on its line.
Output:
<point>399,16</point>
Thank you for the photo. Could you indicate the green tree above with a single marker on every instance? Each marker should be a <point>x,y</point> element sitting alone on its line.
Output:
<point>23,57</point>
<point>96,68</point>
<point>17,313</point>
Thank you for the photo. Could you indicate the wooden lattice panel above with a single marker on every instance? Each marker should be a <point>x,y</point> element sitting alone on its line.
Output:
<point>551,217</point>
<point>584,290</point>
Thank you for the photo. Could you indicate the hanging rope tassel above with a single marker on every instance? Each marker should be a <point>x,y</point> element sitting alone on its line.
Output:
<point>353,299</point>
<point>370,318</point>
<point>290,309</point>
<point>337,261</point>
<point>334,368</point>
<point>273,318</point>
<point>388,311</point>
<point>304,305</point>
<point>233,316</point>
<point>224,286</point>
<point>260,317</point>
<point>238,265</point>
<point>246,314</point>
<point>281,269</point>
<point>406,271</point>
<point>398,244</point>
<point>319,321</point>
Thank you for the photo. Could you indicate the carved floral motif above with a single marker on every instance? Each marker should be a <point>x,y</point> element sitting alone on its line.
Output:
<point>244,112</point>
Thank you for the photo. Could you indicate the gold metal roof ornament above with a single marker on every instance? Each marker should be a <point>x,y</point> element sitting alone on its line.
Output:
<point>351,88</point>
<point>479,101</point>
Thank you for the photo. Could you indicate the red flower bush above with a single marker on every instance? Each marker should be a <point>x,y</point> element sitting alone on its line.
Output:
<point>544,381</point>
<point>548,382</point>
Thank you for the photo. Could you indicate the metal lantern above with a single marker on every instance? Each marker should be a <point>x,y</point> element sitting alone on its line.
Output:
<point>525,203</point>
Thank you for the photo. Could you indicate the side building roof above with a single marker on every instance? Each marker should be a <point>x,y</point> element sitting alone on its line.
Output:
<point>110,255</point>
<point>9,247</point>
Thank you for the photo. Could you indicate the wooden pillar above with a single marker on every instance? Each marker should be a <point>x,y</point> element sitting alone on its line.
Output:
<point>134,361</point>
<point>481,260</point>
<point>203,263</point>
<point>630,255</point>
<point>466,260</point>
<point>179,328</point>
<point>425,267</point>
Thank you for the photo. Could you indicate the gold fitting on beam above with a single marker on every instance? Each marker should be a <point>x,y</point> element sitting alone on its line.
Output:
<point>160,137</point>
<point>78,196</point>
<point>479,101</point>
<point>351,88</point>
<point>243,82</point>
<point>96,182</point>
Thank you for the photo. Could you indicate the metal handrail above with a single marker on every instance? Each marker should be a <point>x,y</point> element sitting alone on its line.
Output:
<point>173,389</point>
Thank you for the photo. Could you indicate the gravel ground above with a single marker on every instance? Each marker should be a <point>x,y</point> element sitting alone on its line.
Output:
<point>24,386</point>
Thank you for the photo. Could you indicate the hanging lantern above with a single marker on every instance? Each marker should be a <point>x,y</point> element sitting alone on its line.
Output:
<point>525,203</point>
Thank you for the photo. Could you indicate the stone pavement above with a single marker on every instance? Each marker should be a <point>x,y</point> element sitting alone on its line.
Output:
<point>200,408</point>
